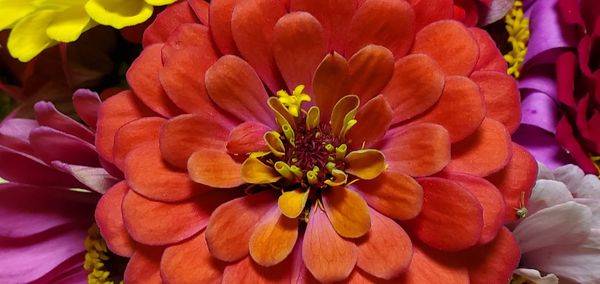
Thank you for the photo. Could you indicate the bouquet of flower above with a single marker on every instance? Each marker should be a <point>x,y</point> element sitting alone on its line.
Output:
<point>300,141</point>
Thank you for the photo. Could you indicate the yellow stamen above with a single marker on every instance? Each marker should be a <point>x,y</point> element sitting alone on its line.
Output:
<point>329,148</point>
<point>339,178</point>
<point>340,151</point>
<point>282,115</point>
<point>313,118</point>
<point>330,166</point>
<point>273,140</point>
<point>518,36</point>
<point>285,170</point>
<point>342,116</point>
<point>289,134</point>
<point>95,257</point>
<point>312,177</point>
<point>293,102</point>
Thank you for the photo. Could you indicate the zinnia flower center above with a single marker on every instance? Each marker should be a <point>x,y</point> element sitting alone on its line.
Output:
<point>306,155</point>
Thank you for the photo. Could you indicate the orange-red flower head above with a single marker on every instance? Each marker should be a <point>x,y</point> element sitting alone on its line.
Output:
<point>314,140</point>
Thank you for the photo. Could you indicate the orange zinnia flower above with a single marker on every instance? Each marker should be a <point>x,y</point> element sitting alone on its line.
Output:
<point>314,140</point>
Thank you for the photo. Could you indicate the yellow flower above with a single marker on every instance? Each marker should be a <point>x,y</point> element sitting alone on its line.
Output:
<point>39,24</point>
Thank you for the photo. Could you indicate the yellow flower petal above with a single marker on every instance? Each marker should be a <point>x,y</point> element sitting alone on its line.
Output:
<point>255,171</point>
<point>69,24</point>
<point>28,38</point>
<point>118,13</point>
<point>291,203</point>
<point>12,11</point>
<point>160,2</point>
<point>365,164</point>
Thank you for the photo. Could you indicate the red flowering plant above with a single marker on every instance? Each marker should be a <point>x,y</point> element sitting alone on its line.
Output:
<point>301,141</point>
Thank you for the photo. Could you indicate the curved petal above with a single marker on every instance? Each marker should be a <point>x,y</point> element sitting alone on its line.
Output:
<point>374,119</point>
<point>117,14</point>
<point>365,164</point>
<point>330,83</point>
<point>144,264</point>
<point>28,36</point>
<point>53,145</point>
<point>394,194</point>
<point>190,262</point>
<point>167,21</point>
<point>273,238</point>
<point>298,46</point>
<point>347,211</point>
<point>109,218</point>
<point>451,218</point>
<point>429,11</point>
<point>494,262</point>
<point>87,103</point>
<point>501,96</point>
<point>69,24</point>
<point>485,152</point>
<point>388,23</point>
<point>133,134</point>
<point>230,226</point>
<point>386,250</point>
<point>215,168</point>
<point>415,86</point>
<point>456,57</point>
<point>219,16</point>
<point>490,58</point>
<point>327,256</point>
<point>417,150</point>
<point>370,71</point>
<point>251,272</point>
<point>429,268</point>
<point>46,114</point>
<point>247,138</point>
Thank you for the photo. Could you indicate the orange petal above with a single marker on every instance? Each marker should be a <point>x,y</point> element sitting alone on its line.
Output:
<point>166,22</point>
<point>451,218</point>
<point>231,225</point>
<point>148,175</point>
<point>180,136</point>
<point>490,199</point>
<point>456,57</point>
<point>219,16</point>
<point>298,46</point>
<point>429,11</point>
<point>386,250</point>
<point>333,15</point>
<point>247,137</point>
<point>460,109</point>
<point>347,211</point>
<point>215,168</point>
<point>490,57</point>
<point>185,65</point>
<point>252,26</point>
<point>158,223</point>
<point>417,150</point>
<point>415,86</point>
<point>485,152</point>
<point>256,172</point>
<point>494,262</point>
<point>501,97</point>
<point>388,23</point>
<point>365,164</point>
<point>343,111</point>
<point>374,119</point>
<point>370,71</point>
<point>291,203</point>
<point>248,271</point>
<point>516,179</point>
<point>234,86</point>
<point>394,194</point>
<point>426,268</point>
<point>274,238</point>
<point>190,262</point>
<point>143,79</point>
<point>113,113</point>
<point>200,9</point>
<point>327,256</point>
<point>109,218</point>
<point>144,267</point>
<point>134,134</point>
<point>330,83</point>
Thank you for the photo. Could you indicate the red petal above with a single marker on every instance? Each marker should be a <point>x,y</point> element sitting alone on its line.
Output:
<point>417,150</point>
<point>200,8</point>
<point>388,23</point>
<point>234,86</point>
<point>144,267</point>
<point>516,179</point>
<point>460,109</point>
<point>215,168</point>
<point>220,13</point>
<point>144,80</point>
<point>167,21</point>
<point>86,105</point>
<point>494,262</point>
<point>252,26</point>
<point>182,75</point>
<point>158,223</point>
<point>427,268</point>
<point>273,238</point>
<point>490,57</point>
<point>298,46</point>
<point>133,134</point>
<point>374,119</point>
<point>451,218</point>
<point>247,271</point>
<point>247,137</point>
<point>501,97</point>
<point>333,15</point>
<point>415,86</point>
<point>109,218</point>
<point>394,194</point>
<point>50,145</point>
<point>456,57</point>
<point>490,199</point>
<point>47,115</point>
<point>150,176</point>
<point>183,135</point>
<point>327,256</point>
<point>190,262</point>
<point>386,251</point>
<point>429,11</point>
<point>483,153</point>
<point>370,71</point>
<point>115,112</point>
<point>330,83</point>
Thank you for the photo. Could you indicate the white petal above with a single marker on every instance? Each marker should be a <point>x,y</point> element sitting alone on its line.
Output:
<point>548,193</point>
<point>544,172</point>
<point>563,224</point>
<point>589,188</point>
<point>578,263</point>
<point>594,205</point>
<point>570,175</point>
<point>534,276</point>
